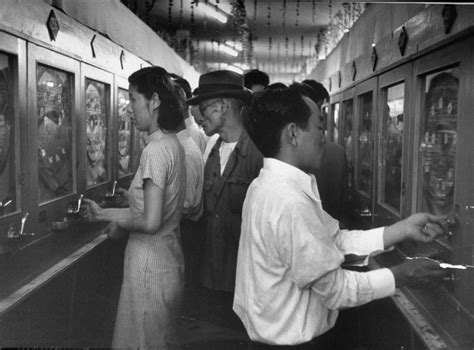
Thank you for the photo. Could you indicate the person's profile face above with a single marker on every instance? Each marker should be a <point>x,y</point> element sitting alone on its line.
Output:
<point>140,113</point>
<point>312,139</point>
<point>196,113</point>
<point>213,120</point>
<point>257,87</point>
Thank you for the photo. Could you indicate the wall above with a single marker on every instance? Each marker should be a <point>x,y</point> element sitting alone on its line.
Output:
<point>114,26</point>
<point>381,24</point>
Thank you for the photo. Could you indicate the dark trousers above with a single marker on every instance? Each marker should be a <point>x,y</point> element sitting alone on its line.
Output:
<point>325,341</point>
<point>191,243</point>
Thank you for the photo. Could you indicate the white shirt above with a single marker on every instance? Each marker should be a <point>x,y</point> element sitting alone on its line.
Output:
<point>289,283</point>
<point>196,133</point>
<point>193,205</point>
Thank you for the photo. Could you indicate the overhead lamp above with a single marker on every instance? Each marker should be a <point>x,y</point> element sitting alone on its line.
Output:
<point>214,11</point>
<point>225,49</point>
<point>233,68</point>
<point>242,66</point>
<point>233,44</point>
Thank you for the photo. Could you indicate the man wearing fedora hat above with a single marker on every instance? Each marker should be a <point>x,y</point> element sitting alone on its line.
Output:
<point>232,163</point>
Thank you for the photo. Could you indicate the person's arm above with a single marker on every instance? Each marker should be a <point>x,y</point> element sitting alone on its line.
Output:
<point>150,220</point>
<point>95,213</point>
<point>421,227</point>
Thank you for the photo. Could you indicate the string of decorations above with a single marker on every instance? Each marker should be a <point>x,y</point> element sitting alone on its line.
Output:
<point>269,47</point>
<point>148,8</point>
<point>193,28</point>
<point>283,14</point>
<point>170,13</point>
<point>269,17</point>
<point>239,18</point>
<point>313,12</point>
<point>255,10</point>
<point>302,47</point>
<point>329,37</point>
<point>297,12</point>
<point>181,14</point>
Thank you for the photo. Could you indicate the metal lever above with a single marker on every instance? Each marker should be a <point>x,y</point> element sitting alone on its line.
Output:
<point>5,204</point>
<point>78,208</point>
<point>365,212</point>
<point>11,231</point>
<point>111,194</point>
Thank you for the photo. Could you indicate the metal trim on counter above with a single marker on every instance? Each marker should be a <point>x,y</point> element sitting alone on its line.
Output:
<point>418,323</point>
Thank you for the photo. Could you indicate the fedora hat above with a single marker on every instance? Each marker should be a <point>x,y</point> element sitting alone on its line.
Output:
<point>220,83</point>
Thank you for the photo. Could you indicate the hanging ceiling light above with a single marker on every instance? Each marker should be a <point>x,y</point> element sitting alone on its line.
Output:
<point>225,49</point>
<point>233,68</point>
<point>215,11</point>
<point>233,44</point>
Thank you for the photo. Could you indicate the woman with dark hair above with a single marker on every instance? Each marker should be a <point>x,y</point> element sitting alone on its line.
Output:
<point>153,277</point>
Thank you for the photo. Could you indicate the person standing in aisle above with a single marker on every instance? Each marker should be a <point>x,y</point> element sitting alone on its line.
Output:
<point>256,80</point>
<point>153,275</point>
<point>191,230</point>
<point>332,176</point>
<point>196,133</point>
<point>233,162</point>
<point>289,281</point>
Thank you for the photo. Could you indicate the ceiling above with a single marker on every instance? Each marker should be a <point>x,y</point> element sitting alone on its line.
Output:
<point>291,26</point>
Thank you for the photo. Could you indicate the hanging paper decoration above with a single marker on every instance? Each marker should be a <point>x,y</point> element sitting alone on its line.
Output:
<point>148,8</point>
<point>278,52</point>
<point>294,52</point>
<point>193,28</point>
<point>297,12</point>
<point>181,14</point>
<point>269,47</point>
<point>170,12</point>
<point>330,10</point>
<point>269,15</point>
<point>313,14</point>
<point>239,18</point>
<point>302,47</point>
<point>283,14</point>
<point>254,10</point>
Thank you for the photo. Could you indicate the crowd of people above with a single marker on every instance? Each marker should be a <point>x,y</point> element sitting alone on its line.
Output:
<point>238,193</point>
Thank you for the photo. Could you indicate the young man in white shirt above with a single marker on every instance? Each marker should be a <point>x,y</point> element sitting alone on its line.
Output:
<point>289,280</point>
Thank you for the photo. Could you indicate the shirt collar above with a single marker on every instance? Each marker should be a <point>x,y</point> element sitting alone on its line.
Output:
<point>183,135</point>
<point>301,180</point>
<point>189,121</point>
<point>157,135</point>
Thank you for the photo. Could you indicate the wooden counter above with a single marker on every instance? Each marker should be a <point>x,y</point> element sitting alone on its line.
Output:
<point>61,289</point>
<point>431,314</point>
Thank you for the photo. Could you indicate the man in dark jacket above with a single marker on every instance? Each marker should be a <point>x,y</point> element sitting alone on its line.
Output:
<point>232,162</point>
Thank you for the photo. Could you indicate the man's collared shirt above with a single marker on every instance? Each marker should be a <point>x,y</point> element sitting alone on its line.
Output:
<point>289,282</point>
<point>194,177</point>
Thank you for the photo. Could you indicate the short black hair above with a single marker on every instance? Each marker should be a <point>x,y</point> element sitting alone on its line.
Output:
<point>321,92</point>
<point>277,85</point>
<point>305,90</point>
<point>256,77</point>
<point>183,83</point>
<point>268,114</point>
<point>149,80</point>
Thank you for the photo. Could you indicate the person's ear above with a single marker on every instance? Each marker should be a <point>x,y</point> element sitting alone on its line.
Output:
<point>225,105</point>
<point>155,101</point>
<point>292,133</point>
